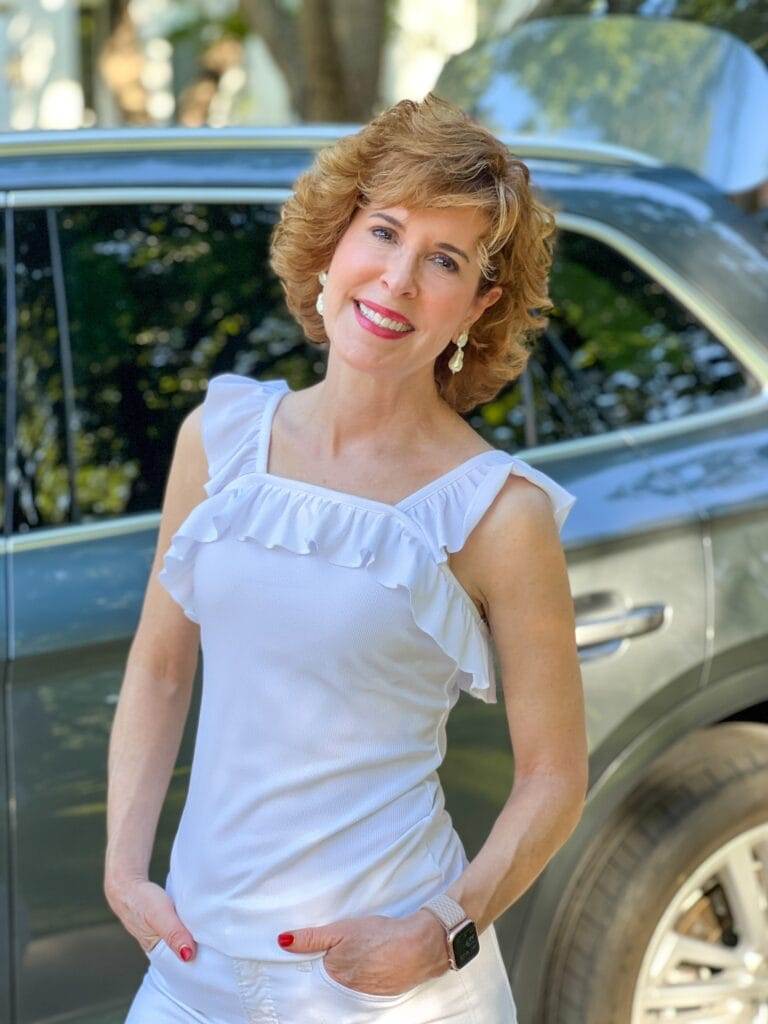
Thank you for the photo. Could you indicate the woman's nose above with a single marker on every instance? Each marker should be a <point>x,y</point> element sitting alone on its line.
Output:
<point>400,276</point>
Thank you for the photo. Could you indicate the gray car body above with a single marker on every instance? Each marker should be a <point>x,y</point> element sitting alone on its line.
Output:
<point>666,551</point>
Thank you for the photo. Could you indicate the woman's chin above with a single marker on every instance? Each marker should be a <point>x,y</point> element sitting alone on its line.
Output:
<point>364,355</point>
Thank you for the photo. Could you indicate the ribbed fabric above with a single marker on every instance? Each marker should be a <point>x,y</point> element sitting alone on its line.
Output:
<point>335,642</point>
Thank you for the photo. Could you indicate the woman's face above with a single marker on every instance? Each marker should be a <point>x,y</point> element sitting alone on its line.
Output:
<point>417,267</point>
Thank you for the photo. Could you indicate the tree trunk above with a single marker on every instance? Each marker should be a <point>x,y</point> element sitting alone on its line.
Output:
<point>325,95</point>
<point>361,31</point>
<point>329,53</point>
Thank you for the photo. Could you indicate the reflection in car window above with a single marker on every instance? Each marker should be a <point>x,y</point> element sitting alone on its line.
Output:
<point>42,492</point>
<point>620,351</point>
<point>160,297</point>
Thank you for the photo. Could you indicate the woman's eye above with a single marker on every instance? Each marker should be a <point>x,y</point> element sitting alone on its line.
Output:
<point>386,231</point>
<point>449,263</point>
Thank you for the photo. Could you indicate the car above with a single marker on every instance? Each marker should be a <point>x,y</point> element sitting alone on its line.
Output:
<point>136,268</point>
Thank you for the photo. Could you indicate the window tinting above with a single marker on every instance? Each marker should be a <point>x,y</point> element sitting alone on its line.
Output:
<point>619,352</point>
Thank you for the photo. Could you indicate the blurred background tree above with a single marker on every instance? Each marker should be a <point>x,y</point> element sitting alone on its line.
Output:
<point>157,62</point>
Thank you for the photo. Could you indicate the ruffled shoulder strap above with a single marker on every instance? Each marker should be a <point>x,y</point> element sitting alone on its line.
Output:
<point>450,513</point>
<point>233,412</point>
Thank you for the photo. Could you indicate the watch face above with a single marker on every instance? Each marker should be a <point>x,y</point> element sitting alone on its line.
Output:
<point>466,945</point>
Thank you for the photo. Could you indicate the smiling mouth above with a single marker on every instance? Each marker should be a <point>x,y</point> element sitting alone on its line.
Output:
<point>382,321</point>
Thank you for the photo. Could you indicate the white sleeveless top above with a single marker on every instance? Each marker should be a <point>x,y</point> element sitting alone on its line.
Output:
<point>335,641</point>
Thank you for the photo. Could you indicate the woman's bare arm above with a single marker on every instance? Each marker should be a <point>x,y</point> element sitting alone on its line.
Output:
<point>157,686</point>
<point>520,568</point>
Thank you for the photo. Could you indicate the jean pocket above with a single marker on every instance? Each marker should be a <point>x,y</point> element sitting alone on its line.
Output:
<point>157,949</point>
<point>367,997</point>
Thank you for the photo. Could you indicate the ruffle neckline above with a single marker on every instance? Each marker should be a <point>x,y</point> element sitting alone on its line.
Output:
<point>401,546</point>
<point>254,508</point>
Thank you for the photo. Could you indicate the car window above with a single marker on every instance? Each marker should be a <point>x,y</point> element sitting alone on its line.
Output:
<point>155,299</point>
<point>620,351</point>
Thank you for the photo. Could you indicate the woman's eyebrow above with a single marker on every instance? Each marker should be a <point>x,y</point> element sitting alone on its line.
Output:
<point>443,245</point>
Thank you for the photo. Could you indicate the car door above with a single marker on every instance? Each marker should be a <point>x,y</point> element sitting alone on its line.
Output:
<point>124,310</point>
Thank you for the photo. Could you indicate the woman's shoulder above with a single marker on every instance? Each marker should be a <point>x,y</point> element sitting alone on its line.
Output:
<point>515,490</point>
<point>507,481</point>
<point>231,421</point>
<point>232,395</point>
<point>491,480</point>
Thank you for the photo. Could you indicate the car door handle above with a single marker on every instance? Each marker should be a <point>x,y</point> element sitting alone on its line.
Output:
<point>644,618</point>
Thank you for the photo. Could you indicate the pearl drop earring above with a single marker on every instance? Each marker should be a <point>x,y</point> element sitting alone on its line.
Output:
<point>456,361</point>
<point>320,304</point>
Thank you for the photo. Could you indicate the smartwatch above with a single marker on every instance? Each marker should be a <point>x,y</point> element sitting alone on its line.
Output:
<point>460,930</point>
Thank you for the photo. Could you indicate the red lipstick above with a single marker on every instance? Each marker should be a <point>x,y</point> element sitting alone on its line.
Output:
<point>377,329</point>
<point>389,313</point>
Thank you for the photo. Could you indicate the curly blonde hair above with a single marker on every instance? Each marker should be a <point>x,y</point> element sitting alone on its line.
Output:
<point>429,154</point>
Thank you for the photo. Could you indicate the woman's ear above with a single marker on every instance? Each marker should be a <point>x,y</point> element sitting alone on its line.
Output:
<point>482,302</point>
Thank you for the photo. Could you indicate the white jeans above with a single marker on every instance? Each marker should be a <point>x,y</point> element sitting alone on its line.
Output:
<point>214,988</point>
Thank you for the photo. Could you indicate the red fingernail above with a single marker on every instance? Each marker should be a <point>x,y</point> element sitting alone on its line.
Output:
<point>285,938</point>
<point>185,952</point>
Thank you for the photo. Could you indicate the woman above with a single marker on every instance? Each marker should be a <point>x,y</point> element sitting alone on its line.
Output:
<point>346,554</point>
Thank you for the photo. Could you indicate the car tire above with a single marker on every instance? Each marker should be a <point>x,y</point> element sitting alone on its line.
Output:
<point>706,791</point>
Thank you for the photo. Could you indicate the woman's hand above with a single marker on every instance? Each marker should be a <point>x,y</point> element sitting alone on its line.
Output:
<point>147,912</point>
<point>378,955</point>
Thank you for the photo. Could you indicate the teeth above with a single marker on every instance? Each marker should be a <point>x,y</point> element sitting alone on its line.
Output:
<point>382,321</point>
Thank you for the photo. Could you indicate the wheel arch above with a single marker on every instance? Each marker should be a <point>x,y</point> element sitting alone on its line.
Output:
<point>742,696</point>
